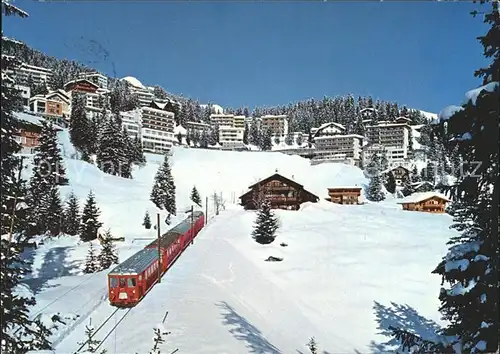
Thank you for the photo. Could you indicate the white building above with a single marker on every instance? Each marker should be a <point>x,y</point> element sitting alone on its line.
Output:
<point>95,77</point>
<point>37,74</point>
<point>157,132</point>
<point>278,125</point>
<point>339,148</point>
<point>132,121</point>
<point>144,95</point>
<point>230,137</point>
<point>197,127</point>
<point>394,137</point>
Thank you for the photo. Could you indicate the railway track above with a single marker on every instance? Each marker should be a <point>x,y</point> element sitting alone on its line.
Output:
<point>126,312</point>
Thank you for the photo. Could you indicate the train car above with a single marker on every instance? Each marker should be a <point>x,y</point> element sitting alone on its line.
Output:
<point>130,281</point>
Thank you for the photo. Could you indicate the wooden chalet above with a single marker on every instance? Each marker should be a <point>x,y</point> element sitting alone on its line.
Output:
<point>27,133</point>
<point>283,193</point>
<point>81,85</point>
<point>400,173</point>
<point>344,195</point>
<point>430,202</point>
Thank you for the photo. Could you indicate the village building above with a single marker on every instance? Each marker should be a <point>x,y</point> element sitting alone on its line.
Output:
<point>28,130</point>
<point>346,149</point>
<point>400,174</point>
<point>430,202</point>
<point>277,125</point>
<point>157,130</point>
<point>95,77</point>
<point>344,195</point>
<point>197,127</point>
<point>328,129</point>
<point>282,193</point>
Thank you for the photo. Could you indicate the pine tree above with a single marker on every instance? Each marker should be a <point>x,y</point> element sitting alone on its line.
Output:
<point>245,134</point>
<point>138,158</point>
<point>91,263</point>
<point>375,193</point>
<point>204,139</point>
<point>312,345</point>
<point>71,216</point>
<point>80,129</point>
<point>158,339</point>
<point>289,139</point>
<point>470,269</point>
<point>91,343</point>
<point>195,196</point>
<point>110,149</point>
<point>147,221</point>
<point>90,219</point>
<point>14,309</point>
<point>266,224</point>
<point>163,192</point>
<point>266,141</point>
<point>253,133</point>
<point>48,173</point>
<point>390,183</point>
<point>299,140</point>
<point>108,255</point>
<point>52,211</point>
<point>213,138</point>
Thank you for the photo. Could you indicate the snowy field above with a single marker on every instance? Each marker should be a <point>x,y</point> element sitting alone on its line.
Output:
<point>342,268</point>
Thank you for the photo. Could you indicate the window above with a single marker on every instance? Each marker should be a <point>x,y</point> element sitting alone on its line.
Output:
<point>122,282</point>
<point>113,282</point>
<point>131,282</point>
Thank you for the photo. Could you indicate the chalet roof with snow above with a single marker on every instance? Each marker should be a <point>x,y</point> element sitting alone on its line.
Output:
<point>277,176</point>
<point>422,196</point>
<point>77,81</point>
<point>330,127</point>
<point>60,93</point>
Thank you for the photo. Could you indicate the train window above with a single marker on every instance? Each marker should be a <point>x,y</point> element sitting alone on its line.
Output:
<point>122,282</point>
<point>140,277</point>
<point>131,282</point>
<point>113,282</point>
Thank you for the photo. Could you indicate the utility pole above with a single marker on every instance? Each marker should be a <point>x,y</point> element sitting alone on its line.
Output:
<point>13,215</point>
<point>192,224</point>
<point>206,210</point>
<point>159,248</point>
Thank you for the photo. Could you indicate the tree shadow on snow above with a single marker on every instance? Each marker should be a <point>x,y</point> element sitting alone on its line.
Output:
<point>403,317</point>
<point>243,330</point>
<point>53,267</point>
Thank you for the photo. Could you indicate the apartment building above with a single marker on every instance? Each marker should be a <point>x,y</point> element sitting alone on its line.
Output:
<point>96,78</point>
<point>328,129</point>
<point>157,132</point>
<point>132,121</point>
<point>278,125</point>
<point>231,130</point>
<point>96,96</point>
<point>339,148</point>
<point>197,127</point>
<point>394,137</point>
<point>24,73</point>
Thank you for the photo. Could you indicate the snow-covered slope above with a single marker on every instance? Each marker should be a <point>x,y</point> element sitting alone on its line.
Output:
<point>342,267</point>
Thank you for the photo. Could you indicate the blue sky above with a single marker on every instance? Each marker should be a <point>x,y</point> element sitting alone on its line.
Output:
<point>422,54</point>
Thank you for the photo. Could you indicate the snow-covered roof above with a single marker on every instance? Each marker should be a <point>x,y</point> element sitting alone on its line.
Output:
<point>133,81</point>
<point>59,93</point>
<point>418,184</point>
<point>421,196</point>
<point>80,80</point>
<point>180,129</point>
<point>217,109</point>
<point>339,136</point>
<point>25,117</point>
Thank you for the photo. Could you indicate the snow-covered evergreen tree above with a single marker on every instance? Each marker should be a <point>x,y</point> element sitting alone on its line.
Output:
<point>313,346</point>
<point>195,196</point>
<point>91,263</point>
<point>245,134</point>
<point>108,255</point>
<point>147,221</point>
<point>163,192</point>
<point>110,149</point>
<point>71,216</point>
<point>90,219</point>
<point>91,344</point>
<point>80,128</point>
<point>299,141</point>
<point>253,133</point>
<point>158,339</point>
<point>266,224</point>
<point>52,211</point>
<point>17,332</point>
<point>375,192</point>
<point>266,141</point>
<point>48,173</point>
<point>213,138</point>
<point>390,183</point>
<point>470,270</point>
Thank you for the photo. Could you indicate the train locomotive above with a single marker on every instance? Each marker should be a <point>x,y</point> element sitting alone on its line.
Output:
<point>132,279</point>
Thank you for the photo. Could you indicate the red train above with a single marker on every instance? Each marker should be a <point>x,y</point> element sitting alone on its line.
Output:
<point>130,281</point>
